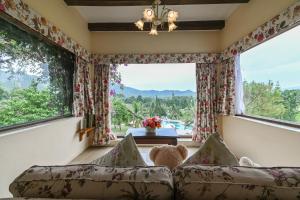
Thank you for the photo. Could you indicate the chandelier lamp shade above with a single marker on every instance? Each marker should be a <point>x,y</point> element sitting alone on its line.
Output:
<point>157,16</point>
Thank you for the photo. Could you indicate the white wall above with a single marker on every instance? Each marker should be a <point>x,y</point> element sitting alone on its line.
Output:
<point>265,143</point>
<point>53,143</point>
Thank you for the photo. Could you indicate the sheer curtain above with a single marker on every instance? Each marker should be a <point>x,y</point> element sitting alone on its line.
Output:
<point>205,120</point>
<point>239,91</point>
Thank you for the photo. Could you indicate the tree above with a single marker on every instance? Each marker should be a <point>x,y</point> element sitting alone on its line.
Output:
<point>120,113</point>
<point>291,104</point>
<point>264,99</point>
<point>26,105</point>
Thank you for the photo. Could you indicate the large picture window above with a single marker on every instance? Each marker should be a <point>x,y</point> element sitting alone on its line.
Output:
<point>271,78</point>
<point>36,78</point>
<point>148,90</point>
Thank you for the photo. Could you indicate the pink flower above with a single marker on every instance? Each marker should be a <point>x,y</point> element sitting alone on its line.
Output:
<point>2,8</point>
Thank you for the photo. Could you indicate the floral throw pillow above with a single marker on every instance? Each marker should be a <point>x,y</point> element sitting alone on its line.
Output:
<point>124,154</point>
<point>213,152</point>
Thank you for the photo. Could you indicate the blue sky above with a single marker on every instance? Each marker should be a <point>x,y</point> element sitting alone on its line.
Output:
<point>277,59</point>
<point>159,76</point>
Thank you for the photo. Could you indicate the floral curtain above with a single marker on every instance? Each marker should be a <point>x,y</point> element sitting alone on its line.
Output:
<point>205,120</point>
<point>226,90</point>
<point>83,103</point>
<point>102,104</point>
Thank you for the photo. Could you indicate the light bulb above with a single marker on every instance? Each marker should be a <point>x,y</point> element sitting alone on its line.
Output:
<point>172,27</point>
<point>140,24</point>
<point>153,31</point>
<point>148,14</point>
<point>172,16</point>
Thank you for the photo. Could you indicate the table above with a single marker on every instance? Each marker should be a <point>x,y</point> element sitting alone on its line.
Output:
<point>162,136</point>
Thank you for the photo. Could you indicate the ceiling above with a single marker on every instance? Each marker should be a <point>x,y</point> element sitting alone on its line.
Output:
<point>100,14</point>
<point>120,15</point>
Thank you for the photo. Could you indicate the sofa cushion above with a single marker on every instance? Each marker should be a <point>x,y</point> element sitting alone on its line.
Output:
<point>92,181</point>
<point>124,154</point>
<point>213,152</point>
<point>225,182</point>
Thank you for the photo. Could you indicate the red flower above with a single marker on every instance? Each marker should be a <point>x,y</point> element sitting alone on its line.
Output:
<point>260,37</point>
<point>2,8</point>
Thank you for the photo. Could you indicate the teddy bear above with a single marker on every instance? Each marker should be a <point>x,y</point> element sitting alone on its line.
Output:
<point>168,155</point>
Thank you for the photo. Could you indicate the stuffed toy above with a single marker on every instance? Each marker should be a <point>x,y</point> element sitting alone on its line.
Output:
<point>168,155</point>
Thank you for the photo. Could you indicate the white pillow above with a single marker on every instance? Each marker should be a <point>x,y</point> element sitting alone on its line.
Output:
<point>247,162</point>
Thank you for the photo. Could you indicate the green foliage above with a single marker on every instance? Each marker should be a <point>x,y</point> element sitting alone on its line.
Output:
<point>129,112</point>
<point>27,105</point>
<point>268,100</point>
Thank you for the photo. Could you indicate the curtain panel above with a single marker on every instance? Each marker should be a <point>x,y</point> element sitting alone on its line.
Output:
<point>226,90</point>
<point>83,103</point>
<point>206,119</point>
<point>102,104</point>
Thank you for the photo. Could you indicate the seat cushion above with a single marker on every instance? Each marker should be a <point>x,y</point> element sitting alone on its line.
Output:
<point>213,152</point>
<point>124,154</point>
<point>92,181</point>
<point>225,182</point>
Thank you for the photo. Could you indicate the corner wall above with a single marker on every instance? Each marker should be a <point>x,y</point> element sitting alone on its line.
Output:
<point>52,143</point>
<point>267,144</point>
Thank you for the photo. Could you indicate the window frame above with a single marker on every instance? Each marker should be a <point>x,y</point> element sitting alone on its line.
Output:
<point>42,38</point>
<point>270,120</point>
<point>266,119</point>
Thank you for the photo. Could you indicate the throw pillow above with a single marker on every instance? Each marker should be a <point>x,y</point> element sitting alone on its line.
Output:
<point>124,154</point>
<point>213,152</point>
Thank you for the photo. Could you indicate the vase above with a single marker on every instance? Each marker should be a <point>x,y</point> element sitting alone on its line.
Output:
<point>150,130</point>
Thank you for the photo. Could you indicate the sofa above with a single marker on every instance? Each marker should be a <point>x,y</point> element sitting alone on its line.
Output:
<point>89,181</point>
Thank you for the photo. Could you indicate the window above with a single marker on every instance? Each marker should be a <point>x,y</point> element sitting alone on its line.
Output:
<point>35,78</point>
<point>148,90</point>
<point>271,78</point>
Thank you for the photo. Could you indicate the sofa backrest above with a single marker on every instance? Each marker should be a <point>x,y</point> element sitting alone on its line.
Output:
<point>224,182</point>
<point>90,181</point>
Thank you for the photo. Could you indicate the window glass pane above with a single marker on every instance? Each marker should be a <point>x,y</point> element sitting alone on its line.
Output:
<point>35,78</point>
<point>271,74</point>
<point>164,90</point>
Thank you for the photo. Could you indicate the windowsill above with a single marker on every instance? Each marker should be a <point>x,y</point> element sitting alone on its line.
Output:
<point>273,123</point>
<point>29,127</point>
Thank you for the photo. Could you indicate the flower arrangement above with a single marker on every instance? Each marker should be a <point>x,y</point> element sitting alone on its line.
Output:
<point>152,123</point>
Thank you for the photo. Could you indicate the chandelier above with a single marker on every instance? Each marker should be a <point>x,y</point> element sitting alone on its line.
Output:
<point>158,15</point>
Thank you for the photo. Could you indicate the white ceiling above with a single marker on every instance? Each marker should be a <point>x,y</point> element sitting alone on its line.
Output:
<point>95,14</point>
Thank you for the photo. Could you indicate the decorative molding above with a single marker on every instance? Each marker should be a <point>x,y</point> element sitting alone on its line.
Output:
<point>278,24</point>
<point>21,12</point>
<point>156,58</point>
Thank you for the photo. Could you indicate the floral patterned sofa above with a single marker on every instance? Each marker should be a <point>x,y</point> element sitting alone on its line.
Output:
<point>189,182</point>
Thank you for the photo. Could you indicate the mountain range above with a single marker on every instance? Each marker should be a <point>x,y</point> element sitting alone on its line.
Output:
<point>129,91</point>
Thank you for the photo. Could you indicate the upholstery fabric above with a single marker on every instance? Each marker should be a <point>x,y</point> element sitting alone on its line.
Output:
<point>239,183</point>
<point>124,154</point>
<point>83,97</point>
<point>102,104</point>
<point>205,120</point>
<point>214,152</point>
<point>92,181</point>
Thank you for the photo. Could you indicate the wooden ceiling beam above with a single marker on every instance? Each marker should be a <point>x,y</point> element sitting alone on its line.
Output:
<point>188,25</point>
<point>147,2</point>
